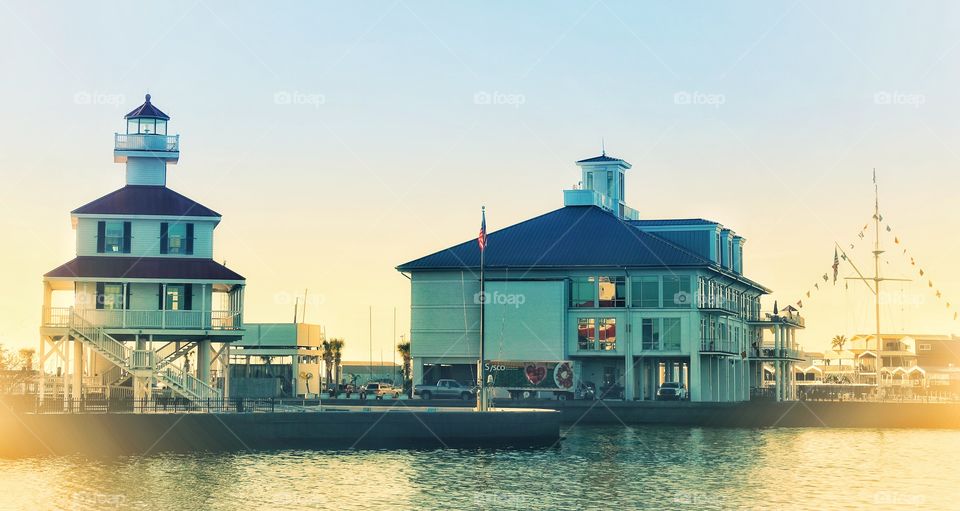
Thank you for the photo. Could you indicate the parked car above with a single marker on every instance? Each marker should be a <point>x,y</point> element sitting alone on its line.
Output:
<point>671,390</point>
<point>445,389</point>
<point>378,390</point>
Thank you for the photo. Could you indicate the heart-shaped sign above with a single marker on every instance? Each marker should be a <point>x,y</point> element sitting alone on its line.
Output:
<point>535,373</point>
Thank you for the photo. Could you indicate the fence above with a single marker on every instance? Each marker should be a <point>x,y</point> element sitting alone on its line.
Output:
<point>156,404</point>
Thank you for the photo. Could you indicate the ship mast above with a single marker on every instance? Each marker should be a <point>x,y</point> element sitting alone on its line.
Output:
<point>877,279</point>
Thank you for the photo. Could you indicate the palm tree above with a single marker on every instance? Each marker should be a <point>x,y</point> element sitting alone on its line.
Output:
<point>837,343</point>
<point>404,349</point>
<point>327,359</point>
<point>336,346</point>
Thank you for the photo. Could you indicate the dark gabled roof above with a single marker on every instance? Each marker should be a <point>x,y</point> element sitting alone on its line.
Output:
<point>161,268</point>
<point>145,200</point>
<point>147,110</point>
<point>574,236</point>
<point>600,159</point>
<point>672,222</point>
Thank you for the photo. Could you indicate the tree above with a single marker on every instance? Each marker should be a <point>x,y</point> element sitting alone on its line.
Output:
<point>837,343</point>
<point>336,346</point>
<point>327,359</point>
<point>27,357</point>
<point>404,350</point>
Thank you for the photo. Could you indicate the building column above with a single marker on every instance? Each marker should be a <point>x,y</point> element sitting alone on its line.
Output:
<point>694,377</point>
<point>203,361</point>
<point>629,381</point>
<point>77,369</point>
<point>225,363</point>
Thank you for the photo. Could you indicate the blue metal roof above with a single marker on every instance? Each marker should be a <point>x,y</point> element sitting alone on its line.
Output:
<point>600,159</point>
<point>145,200</point>
<point>672,222</point>
<point>574,236</point>
<point>147,111</point>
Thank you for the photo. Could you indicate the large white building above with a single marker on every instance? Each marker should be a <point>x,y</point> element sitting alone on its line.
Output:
<point>635,302</point>
<point>143,301</point>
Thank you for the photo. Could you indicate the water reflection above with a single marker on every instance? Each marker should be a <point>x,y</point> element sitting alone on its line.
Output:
<point>593,468</point>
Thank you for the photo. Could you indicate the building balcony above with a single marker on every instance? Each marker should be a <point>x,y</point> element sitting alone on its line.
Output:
<point>771,353</point>
<point>718,305</point>
<point>166,147</point>
<point>725,346</point>
<point>60,317</point>
<point>769,318</point>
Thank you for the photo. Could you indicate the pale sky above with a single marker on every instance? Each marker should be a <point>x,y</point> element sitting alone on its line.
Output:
<point>339,140</point>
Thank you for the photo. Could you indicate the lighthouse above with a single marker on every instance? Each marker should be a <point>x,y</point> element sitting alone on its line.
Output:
<point>142,307</point>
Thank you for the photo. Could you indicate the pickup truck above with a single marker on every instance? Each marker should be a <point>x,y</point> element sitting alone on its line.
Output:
<point>445,389</point>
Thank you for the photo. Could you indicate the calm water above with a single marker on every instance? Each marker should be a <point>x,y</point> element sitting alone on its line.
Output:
<point>594,468</point>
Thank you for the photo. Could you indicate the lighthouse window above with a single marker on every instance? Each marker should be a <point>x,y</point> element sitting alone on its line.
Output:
<point>176,239</point>
<point>132,125</point>
<point>161,127</point>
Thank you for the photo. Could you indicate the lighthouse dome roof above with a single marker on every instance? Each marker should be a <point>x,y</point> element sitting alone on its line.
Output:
<point>148,111</point>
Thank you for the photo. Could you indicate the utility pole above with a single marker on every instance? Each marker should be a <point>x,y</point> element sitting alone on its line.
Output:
<point>370,334</point>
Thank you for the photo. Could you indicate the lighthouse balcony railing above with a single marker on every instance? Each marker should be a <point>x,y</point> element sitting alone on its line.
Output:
<point>146,142</point>
<point>153,319</point>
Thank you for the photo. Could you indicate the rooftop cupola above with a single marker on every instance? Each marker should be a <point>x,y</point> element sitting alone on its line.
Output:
<point>146,148</point>
<point>602,184</point>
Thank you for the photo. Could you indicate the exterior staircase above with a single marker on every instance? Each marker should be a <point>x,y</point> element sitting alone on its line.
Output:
<point>141,363</point>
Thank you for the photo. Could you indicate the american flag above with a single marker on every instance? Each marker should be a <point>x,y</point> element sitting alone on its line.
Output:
<point>482,238</point>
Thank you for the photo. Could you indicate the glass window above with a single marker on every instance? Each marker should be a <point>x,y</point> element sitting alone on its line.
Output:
<point>610,188</point>
<point>112,297</point>
<point>177,239</point>
<point>161,127</point>
<point>676,292</point>
<point>113,237</point>
<point>583,292</point>
<point>176,299</point>
<point>671,334</point>
<point>586,334</point>
<point>646,292</point>
<point>621,187</point>
<point>608,334</point>
<point>613,291</point>
<point>132,126</point>
<point>147,126</point>
<point>650,334</point>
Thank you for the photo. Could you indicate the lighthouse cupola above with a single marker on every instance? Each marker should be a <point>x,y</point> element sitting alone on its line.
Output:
<point>147,146</point>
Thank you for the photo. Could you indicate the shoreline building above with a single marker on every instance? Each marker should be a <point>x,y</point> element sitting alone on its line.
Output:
<point>277,360</point>
<point>143,303</point>
<point>632,302</point>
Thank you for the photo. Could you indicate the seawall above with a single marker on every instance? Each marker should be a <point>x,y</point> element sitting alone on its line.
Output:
<point>138,434</point>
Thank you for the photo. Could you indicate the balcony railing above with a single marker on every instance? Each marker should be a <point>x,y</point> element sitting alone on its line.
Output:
<point>771,352</point>
<point>172,320</point>
<point>719,346</point>
<point>720,304</point>
<point>141,142</point>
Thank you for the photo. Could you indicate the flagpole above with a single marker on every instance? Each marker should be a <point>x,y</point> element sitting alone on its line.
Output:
<point>482,394</point>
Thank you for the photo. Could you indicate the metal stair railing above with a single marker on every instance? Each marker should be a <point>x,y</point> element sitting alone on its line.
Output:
<point>177,353</point>
<point>112,349</point>
<point>187,385</point>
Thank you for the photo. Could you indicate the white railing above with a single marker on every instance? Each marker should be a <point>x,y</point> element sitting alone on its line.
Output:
<point>146,142</point>
<point>106,345</point>
<point>119,318</point>
<point>143,359</point>
<point>187,383</point>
